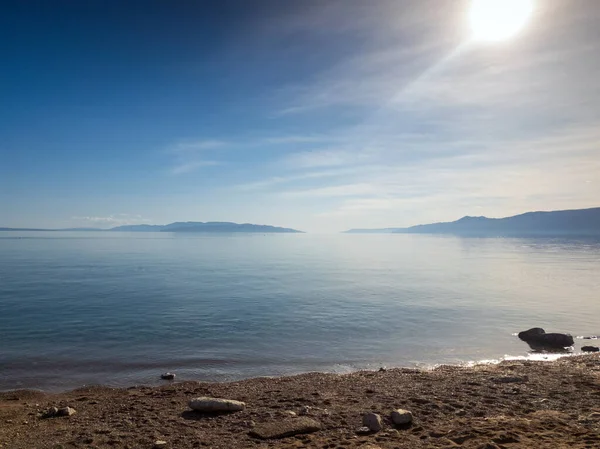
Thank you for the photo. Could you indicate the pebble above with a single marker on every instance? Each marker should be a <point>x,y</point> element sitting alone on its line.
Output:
<point>167,376</point>
<point>401,416</point>
<point>304,410</point>
<point>160,444</point>
<point>216,405</point>
<point>363,430</point>
<point>289,413</point>
<point>372,421</point>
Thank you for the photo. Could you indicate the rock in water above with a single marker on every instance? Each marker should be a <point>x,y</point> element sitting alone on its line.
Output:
<point>538,336</point>
<point>216,405</point>
<point>285,428</point>
<point>401,416</point>
<point>372,421</point>
<point>167,376</point>
<point>590,349</point>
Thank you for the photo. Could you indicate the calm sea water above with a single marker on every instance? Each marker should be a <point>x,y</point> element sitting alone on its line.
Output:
<point>120,309</point>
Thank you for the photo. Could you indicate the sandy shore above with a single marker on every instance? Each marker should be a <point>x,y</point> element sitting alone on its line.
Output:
<point>512,405</point>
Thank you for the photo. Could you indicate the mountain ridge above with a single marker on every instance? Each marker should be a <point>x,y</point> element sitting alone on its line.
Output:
<point>188,226</point>
<point>571,222</point>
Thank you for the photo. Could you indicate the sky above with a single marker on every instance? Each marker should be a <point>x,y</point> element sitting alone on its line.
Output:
<point>315,115</point>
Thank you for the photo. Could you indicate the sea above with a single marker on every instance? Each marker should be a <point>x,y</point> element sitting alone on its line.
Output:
<point>120,309</point>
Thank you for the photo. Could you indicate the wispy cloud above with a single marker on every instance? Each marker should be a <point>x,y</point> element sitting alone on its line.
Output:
<point>112,220</point>
<point>190,166</point>
<point>190,156</point>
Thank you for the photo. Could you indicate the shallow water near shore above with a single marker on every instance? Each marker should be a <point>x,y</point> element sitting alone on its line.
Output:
<point>121,308</point>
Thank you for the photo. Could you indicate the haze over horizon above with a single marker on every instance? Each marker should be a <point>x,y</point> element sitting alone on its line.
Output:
<point>312,115</point>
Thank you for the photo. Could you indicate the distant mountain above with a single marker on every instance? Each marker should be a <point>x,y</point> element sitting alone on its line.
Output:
<point>138,228</point>
<point>216,226</point>
<point>189,226</point>
<point>197,226</point>
<point>581,222</point>
<point>25,229</point>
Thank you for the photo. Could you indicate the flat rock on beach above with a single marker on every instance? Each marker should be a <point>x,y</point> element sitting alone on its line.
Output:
<point>544,405</point>
<point>285,428</point>
<point>216,405</point>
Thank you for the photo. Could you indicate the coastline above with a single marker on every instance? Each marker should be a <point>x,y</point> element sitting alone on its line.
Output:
<point>511,404</point>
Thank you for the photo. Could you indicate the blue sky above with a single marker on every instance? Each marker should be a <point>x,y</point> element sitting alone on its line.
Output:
<point>320,116</point>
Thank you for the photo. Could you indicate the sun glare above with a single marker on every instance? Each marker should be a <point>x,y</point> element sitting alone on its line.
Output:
<point>497,20</point>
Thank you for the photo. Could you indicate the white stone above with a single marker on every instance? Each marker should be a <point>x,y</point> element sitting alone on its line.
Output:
<point>216,405</point>
<point>372,421</point>
<point>160,444</point>
<point>401,416</point>
<point>305,410</point>
<point>66,411</point>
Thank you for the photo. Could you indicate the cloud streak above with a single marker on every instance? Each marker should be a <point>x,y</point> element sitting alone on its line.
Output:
<point>112,220</point>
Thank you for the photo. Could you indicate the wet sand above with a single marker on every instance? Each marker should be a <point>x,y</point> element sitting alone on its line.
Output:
<point>516,404</point>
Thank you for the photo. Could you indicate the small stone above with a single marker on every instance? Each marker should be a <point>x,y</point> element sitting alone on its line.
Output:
<point>461,413</point>
<point>290,413</point>
<point>401,416</point>
<point>593,416</point>
<point>216,405</point>
<point>372,421</point>
<point>304,410</point>
<point>66,411</point>
<point>160,444</point>
<point>590,349</point>
<point>167,376</point>
<point>363,430</point>
<point>382,369</point>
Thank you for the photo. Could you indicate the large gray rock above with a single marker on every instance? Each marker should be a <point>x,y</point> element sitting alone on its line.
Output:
<point>285,428</point>
<point>372,421</point>
<point>537,337</point>
<point>401,416</point>
<point>216,405</point>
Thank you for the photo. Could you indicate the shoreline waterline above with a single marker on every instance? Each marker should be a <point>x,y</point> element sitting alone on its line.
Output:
<point>546,357</point>
<point>524,402</point>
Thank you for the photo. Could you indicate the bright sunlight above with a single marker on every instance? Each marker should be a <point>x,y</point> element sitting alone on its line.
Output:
<point>497,20</point>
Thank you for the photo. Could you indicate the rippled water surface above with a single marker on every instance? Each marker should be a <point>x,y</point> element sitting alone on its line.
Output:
<point>120,308</point>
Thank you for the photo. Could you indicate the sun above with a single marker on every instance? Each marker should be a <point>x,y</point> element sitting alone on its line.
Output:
<point>498,20</point>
